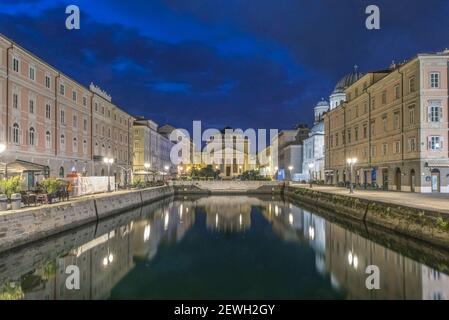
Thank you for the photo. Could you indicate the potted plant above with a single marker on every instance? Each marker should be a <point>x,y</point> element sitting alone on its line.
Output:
<point>12,188</point>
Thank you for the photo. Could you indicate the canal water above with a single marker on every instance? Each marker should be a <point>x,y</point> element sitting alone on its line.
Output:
<point>217,247</point>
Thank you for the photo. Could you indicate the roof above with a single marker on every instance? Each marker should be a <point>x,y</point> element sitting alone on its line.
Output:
<point>347,80</point>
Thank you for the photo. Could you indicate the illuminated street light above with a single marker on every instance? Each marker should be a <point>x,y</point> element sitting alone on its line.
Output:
<point>109,161</point>
<point>290,168</point>
<point>351,162</point>
<point>311,165</point>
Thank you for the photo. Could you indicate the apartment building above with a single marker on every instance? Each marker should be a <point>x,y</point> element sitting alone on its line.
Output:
<point>112,137</point>
<point>395,123</point>
<point>51,125</point>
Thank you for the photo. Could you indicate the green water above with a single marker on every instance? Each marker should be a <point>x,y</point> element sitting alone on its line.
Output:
<point>218,247</point>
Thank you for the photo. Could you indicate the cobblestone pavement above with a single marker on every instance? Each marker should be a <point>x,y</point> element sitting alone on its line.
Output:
<point>430,201</point>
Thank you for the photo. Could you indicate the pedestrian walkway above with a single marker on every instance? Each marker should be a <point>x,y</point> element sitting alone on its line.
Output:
<point>429,201</point>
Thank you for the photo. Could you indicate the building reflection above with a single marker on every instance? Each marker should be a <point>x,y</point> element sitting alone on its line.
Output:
<point>342,256</point>
<point>106,252</point>
<point>227,214</point>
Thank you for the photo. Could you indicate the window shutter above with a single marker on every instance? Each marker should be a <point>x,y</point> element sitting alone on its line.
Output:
<point>440,113</point>
<point>428,143</point>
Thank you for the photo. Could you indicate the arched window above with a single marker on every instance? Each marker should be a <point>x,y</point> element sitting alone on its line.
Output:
<point>61,172</point>
<point>31,136</point>
<point>62,139</point>
<point>15,133</point>
<point>75,145</point>
<point>84,146</point>
<point>48,140</point>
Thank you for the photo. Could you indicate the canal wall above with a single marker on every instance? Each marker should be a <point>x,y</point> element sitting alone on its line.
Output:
<point>426,225</point>
<point>19,227</point>
<point>227,187</point>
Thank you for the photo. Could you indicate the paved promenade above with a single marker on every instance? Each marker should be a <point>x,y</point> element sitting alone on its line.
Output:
<point>430,201</point>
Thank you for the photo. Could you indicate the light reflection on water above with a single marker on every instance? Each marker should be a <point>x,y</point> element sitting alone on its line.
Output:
<point>245,246</point>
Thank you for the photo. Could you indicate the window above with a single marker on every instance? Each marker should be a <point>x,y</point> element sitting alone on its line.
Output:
<point>373,103</point>
<point>396,120</point>
<point>85,124</point>
<point>435,143</point>
<point>47,82</point>
<point>31,104</point>
<point>15,101</point>
<point>365,131</point>
<point>373,128</point>
<point>84,101</point>
<point>75,145</point>
<point>397,93</point>
<point>31,137</point>
<point>336,139</point>
<point>411,114</point>
<point>397,147</point>
<point>48,140</point>
<point>349,135</point>
<point>435,80</point>
<point>356,134</point>
<point>48,111</point>
<point>384,97</point>
<point>62,140</point>
<point>62,116</point>
<point>356,111</point>
<point>75,121</point>
<point>32,73</point>
<point>435,112</point>
<point>343,137</point>
<point>411,84</point>
<point>74,95</point>
<point>15,133</point>
<point>384,149</point>
<point>15,64</point>
<point>96,106</point>
<point>412,144</point>
<point>365,107</point>
<point>84,146</point>
<point>61,89</point>
<point>373,151</point>
<point>385,122</point>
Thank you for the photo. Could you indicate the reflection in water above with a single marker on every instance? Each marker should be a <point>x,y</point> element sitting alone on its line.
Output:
<point>107,253</point>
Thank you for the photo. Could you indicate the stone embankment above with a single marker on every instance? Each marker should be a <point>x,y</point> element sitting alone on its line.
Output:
<point>19,227</point>
<point>431,226</point>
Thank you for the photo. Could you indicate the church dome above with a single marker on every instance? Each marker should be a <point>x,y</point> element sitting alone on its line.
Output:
<point>347,80</point>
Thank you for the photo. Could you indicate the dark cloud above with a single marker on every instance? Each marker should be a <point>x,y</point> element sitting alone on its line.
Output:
<point>242,63</point>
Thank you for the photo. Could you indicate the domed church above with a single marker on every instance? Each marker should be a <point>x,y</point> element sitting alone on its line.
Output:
<point>338,95</point>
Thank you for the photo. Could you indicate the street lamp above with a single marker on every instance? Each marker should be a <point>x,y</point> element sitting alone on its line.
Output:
<point>166,171</point>
<point>147,166</point>
<point>3,149</point>
<point>109,161</point>
<point>311,165</point>
<point>290,168</point>
<point>351,162</point>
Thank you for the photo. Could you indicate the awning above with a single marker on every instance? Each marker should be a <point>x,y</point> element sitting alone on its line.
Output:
<point>438,163</point>
<point>19,166</point>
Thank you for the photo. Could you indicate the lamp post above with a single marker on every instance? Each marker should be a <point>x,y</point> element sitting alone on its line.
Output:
<point>147,166</point>
<point>109,161</point>
<point>2,149</point>
<point>290,168</point>
<point>166,168</point>
<point>351,162</point>
<point>311,165</point>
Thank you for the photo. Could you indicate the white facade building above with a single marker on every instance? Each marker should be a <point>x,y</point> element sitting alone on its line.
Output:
<point>313,153</point>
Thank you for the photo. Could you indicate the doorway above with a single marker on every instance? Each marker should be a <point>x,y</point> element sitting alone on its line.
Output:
<point>412,180</point>
<point>435,180</point>
<point>228,171</point>
<point>397,179</point>
<point>385,179</point>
